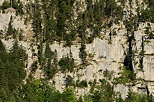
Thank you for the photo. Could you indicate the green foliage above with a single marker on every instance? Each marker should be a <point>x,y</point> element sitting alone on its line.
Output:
<point>150,4</point>
<point>129,25</point>
<point>48,52</point>
<point>51,68</point>
<point>16,34</point>
<point>40,55</point>
<point>17,5</point>
<point>108,74</point>
<point>69,95</point>
<point>83,53</point>
<point>110,7</point>
<point>39,91</point>
<point>87,98</point>
<point>69,81</point>
<point>37,20</point>
<point>5,5</point>
<point>82,83</point>
<point>49,23</point>
<point>1,32</point>
<point>12,71</point>
<point>95,17</point>
<point>127,76</point>
<point>65,8</point>
<point>123,2</point>
<point>53,21</point>
<point>58,29</point>
<point>2,49</point>
<point>67,64</point>
<point>17,62</point>
<point>147,15</point>
<point>10,30</point>
<point>50,62</point>
<point>104,93</point>
<point>34,67</point>
<point>135,97</point>
<point>19,8</point>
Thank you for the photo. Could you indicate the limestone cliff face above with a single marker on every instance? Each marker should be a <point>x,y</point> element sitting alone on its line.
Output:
<point>106,52</point>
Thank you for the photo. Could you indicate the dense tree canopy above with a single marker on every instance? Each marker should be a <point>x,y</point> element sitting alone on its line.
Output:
<point>12,71</point>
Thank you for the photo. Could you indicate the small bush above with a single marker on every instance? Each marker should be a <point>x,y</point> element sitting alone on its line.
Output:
<point>127,76</point>
<point>67,64</point>
<point>34,67</point>
<point>69,81</point>
<point>5,5</point>
<point>81,84</point>
<point>147,15</point>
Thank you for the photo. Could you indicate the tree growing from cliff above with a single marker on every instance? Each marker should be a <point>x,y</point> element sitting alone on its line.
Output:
<point>67,64</point>
<point>10,30</point>
<point>37,20</point>
<point>105,93</point>
<point>5,5</point>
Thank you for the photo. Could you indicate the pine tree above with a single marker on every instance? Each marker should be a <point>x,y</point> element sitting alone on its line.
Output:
<point>10,30</point>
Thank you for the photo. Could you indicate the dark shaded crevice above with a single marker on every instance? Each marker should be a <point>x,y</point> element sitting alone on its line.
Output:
<point>110,34</point>
<point>128,61</point>
<point>148,93</point>
<point>142,54</point>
